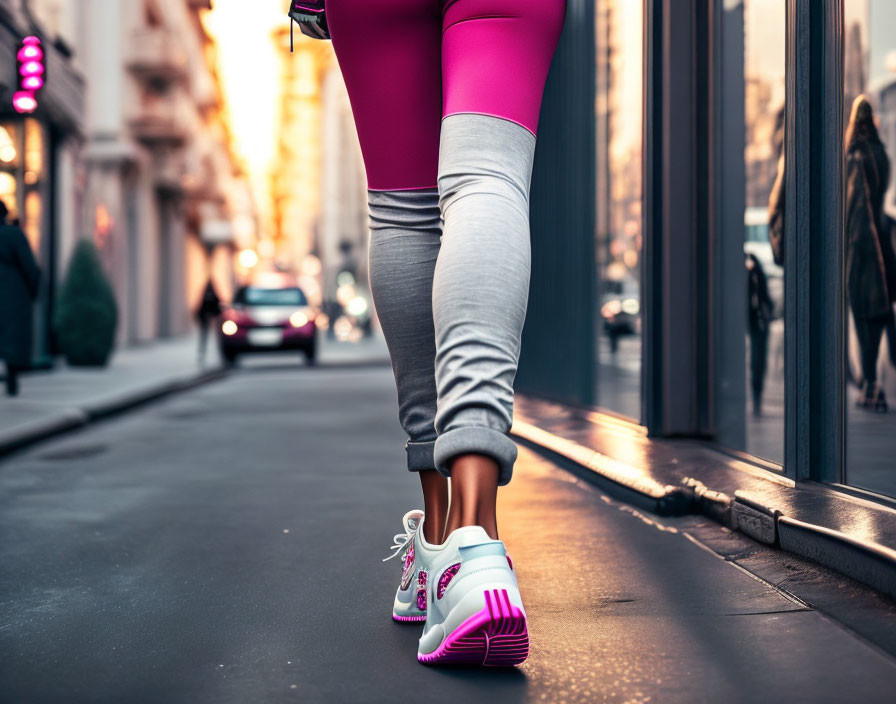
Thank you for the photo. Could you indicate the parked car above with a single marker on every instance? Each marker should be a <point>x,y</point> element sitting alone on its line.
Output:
<point>268,319</point>
<point>621,309</point>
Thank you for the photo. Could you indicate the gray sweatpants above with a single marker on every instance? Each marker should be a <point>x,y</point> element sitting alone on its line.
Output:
<point>452,300</point>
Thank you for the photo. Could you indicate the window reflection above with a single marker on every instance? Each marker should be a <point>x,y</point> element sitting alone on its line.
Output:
<point>763,24</point>
<point>34,151</point>
<point>8,151</point>
<point>33,220</point>
<point>620,37</point>
<point>869,83</point>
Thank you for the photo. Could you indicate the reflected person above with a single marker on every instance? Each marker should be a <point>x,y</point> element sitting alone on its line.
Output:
<point>870,260</point>
<point>760,317</point>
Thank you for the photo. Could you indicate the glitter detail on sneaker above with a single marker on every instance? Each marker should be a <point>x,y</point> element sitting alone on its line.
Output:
<point>445,579</point>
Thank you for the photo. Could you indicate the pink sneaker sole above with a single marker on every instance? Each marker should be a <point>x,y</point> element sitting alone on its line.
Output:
<point>497,636</point>
<point>408,619</point>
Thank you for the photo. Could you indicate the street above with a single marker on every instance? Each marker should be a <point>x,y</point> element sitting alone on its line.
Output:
<point>225,545</point>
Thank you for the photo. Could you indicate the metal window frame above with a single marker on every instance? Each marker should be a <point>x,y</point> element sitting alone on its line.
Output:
<point>813,282</point>
<point>678,367</point>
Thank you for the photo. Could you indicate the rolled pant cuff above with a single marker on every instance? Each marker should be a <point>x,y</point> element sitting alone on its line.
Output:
<point>476,440</point>
<point>420,455</point>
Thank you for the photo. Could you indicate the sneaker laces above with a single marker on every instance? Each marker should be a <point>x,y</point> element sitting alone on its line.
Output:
<point>402,541</point>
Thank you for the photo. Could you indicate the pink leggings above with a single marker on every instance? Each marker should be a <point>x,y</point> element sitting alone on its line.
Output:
<point>409,63</point>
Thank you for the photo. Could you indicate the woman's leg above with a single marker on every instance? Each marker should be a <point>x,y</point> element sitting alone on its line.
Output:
<point>495,59</point>
<point>388,51</point>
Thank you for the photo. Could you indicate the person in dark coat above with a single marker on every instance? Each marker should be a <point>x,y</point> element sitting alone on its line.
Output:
<point>209,309</point>
<point>870,260</point>
<point>760,316</point>
<point>19,278</point>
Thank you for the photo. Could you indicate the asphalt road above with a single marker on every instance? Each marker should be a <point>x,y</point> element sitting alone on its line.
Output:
<point>224,546</point>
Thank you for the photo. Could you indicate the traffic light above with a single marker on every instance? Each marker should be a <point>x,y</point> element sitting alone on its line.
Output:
<point>31,75</point>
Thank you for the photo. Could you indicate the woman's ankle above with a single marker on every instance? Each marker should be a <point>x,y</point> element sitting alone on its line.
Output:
<point>435,505</point>
<point>474,492</point>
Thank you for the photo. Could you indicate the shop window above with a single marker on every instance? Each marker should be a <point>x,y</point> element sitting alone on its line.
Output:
<point>10,159</point>
<point>750,245</point>
<point>618,232</point>
<point>33,221</point>
<point>869,84</point>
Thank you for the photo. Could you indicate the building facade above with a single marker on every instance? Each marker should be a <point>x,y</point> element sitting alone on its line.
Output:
<point>39,153</point>
<point>129,147</point>
<point>162,189</point>
<point>689,230</point>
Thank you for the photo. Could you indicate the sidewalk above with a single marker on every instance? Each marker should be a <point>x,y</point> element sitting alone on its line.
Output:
<point>64,398</point>
<point>225,546</point>
<point>847,533</point>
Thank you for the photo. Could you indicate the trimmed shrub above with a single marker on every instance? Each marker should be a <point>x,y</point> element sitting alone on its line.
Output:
<point>86,314</point>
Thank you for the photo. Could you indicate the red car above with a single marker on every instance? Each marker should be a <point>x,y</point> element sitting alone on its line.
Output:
<point>262,319</point>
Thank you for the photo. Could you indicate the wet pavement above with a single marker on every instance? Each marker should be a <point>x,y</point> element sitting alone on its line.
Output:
<point>224,545</point>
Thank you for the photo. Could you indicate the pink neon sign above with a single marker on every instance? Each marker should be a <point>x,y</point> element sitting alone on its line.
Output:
<point>31,75</point>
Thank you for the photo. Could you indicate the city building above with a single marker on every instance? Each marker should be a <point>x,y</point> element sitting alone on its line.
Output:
<point>680,152</point>
<point>163,194</point>
<point>137,157</point>
<point>39,152</point>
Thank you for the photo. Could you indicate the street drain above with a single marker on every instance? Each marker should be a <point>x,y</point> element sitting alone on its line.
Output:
<point>77,452</point>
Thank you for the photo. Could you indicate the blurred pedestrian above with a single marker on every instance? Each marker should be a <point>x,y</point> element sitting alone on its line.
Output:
<point>870,260</point>
<point>446,102</point>
<point>208,311</point>
<point>19,278</point>
<point>760,309</point>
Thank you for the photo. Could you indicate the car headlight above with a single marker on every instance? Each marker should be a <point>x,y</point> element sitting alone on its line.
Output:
<point>298,319</point>
<point>229,327</point>
<point>611,309</point>
<point>356,306</point>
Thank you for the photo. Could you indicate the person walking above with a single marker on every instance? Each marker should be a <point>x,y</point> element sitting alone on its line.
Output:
<point>446,97</point>
<point>870,259</point>
<point>759,314</point>
<point>209,309</point>
<point>19,279</point>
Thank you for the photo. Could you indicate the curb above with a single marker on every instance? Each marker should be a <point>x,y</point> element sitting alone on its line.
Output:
<point>618,479</point>
<point>865,561</point>
<point>69,419</point>
<point>60,422</point>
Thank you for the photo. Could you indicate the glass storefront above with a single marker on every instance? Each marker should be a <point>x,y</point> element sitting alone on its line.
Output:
<point>24,189</point>
<point>742,378</point>
<point>619,108</point>
<point>22,176</point>
<point>10,161</point>
<point>764,61</point>
<point>869,103</point>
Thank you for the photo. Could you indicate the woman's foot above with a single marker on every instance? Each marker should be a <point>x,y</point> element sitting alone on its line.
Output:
<point>475,613</point>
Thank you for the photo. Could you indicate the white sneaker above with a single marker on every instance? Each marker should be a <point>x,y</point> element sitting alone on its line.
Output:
<point>410,599</point>
<point>474,612</point>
